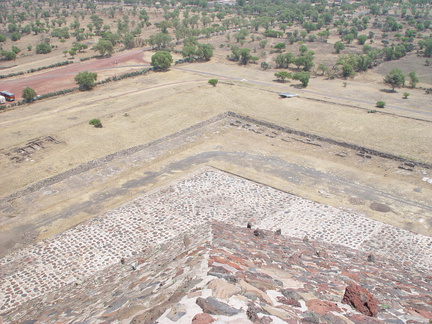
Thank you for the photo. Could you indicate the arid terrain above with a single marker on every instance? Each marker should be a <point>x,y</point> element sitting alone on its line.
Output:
<point>330,144</point>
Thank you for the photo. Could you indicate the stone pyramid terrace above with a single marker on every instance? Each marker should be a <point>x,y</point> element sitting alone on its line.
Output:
<point>184,250</point>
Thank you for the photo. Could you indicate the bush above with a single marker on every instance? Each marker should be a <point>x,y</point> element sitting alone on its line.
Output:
<point>15,36</point>
<point>405,95</point>
<point>380,104</point>
<point>28,94</point>
<point>213,82</point>
<point>96,123</point>
<point>86,80</point>
<point>43,48</point>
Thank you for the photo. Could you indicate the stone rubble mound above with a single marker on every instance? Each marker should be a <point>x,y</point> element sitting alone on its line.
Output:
<point>221,273</point>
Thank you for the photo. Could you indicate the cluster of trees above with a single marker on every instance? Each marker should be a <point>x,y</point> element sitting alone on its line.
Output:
<point>303,60</point>
<point>302,76</point>
<point>396,79</point>
<point>242,55</point>
<point>196,51</point>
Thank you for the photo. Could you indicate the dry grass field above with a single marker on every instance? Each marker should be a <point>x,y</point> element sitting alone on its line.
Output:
<point>146,108</point>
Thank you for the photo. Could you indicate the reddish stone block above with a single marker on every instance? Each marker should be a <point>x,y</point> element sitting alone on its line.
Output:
<point>322,307</point>
<point>362,300</point>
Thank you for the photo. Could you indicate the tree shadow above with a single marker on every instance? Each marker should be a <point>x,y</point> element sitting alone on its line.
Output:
<point>388,91</point>
<point>297,86</point>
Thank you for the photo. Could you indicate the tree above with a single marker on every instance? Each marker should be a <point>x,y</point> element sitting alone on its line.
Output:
<point>162,60</point>
<point>280,47</point>
<point>245,55</point>
<point>362,39</point>
<point>265,65</point>
<point>28,94</point>
<point>339,46</point>
<point>213,82</point>
<point>303,77</point>
<point>160,40</point>
<point>43,48</point>
<point>395,78</point>
<point>8,55</point>
<point>413,79</point>
<point>2,38</point>
<point>104,47</point>
<point>15,36</point>
<point>205,51</point>
<point>129,41</point>
<point>86,80</point>
<point>282,75</point>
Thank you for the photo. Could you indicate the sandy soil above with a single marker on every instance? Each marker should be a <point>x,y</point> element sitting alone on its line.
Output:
<point>142,109</point>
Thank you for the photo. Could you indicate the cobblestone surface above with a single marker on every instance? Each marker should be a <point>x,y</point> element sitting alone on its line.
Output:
<point>210,195</point>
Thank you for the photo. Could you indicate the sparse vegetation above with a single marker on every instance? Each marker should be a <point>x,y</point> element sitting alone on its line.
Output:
<point>380,104</point>
<point>96,123</point>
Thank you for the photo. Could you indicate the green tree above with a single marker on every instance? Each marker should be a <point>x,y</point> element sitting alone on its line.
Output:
<point>86,80</point>
<point>339,46</point>
<point>2,38</point>
<point>213,82</point>
<point>8,55</point>
<point>129,41</point>
<point>245,55</point>
<point>265,65</point>
<point>279,47</point>
<point>28,94</point>
<point>362,39</point>
<point>162,60</point>
<point>395,78</point>
<point>282,75</point>
<point>15,36</point>
<point>43,48</point>
<point>205,51</point>
<point>160,40</point>
<point>303,77</point>
<point>413,79</point>
<point>15,49</point>
<point>104,47</point>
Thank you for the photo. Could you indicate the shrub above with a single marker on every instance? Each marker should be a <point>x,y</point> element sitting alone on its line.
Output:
<point>96,123</point>
<point>213,82</point>
<point>405,95</point>
<point>43,48</point>
<point>380,104</point>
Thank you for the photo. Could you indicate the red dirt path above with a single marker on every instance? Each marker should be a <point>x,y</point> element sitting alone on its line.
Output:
<point>63,77</point>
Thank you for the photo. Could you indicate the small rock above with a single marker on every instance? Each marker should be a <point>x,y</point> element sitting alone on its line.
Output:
<point>211,305</point>
<point>361,299</point>
<point>290,302</point>
<point>222,289</point>
<point>278,232</point>
<point>252,313</point>
<point>202,318</point>
<point>177,312</point>
<point>259,233</point>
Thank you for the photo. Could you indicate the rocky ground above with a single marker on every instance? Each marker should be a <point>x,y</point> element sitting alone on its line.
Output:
<point>161,259</point>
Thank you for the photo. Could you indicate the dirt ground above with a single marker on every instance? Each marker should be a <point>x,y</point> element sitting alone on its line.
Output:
<point>146,108</point>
